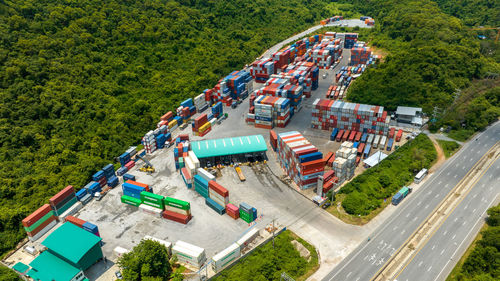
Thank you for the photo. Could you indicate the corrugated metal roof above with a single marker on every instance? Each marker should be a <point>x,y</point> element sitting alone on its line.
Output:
<point>404,110</point>
<point>20,267</point>
<point>71,242</point>
<point>376,158</point>
<point>229,146</point>
<point>48,267</point>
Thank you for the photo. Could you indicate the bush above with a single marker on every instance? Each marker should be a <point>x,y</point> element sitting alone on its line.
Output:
<point>367,191</point>
<point>449,147</point>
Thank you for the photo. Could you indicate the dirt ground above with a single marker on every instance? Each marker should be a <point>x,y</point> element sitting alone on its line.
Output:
<point>440,155</point>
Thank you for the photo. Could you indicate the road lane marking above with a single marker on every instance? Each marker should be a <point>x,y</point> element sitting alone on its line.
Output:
<point>455,220</point>
<point>437,195</point>
<point>420,263</point>
<point>349,274</point>
<point>465,238</point>
<point>466,206</point>
<point>403,232</point>
<point>445,232</point>
<point>433,246</point>
<point>427,206</point>
<point>453,237</point>
<point>407,215</point>
<point>455,176</point>
<point>464,222</point>
<point>447,185</point>
<point>394,228</point>
<point>474,210</point>
<point>415,218</point>
<point>439,183</point>
<point>429,268</point>
<point>420,202</point>
<point>442,251</point>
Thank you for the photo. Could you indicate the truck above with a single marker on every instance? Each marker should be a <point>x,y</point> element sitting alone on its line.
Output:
<point>383,141</point>
<point>402,193</point>
<point>346,135</point>
<point>363,137</point>
<point>358,136</point>
<point>352,136</point>
<point>339,135</point>
<point>334,134</point>
<point>376,140</point>
<point>370,139</point>
<point>399,135</point>
<point>389,144</point>
<point>368,148</point>
<point>240,173</point>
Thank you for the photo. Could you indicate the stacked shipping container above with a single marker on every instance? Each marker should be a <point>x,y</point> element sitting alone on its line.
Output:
<point>301,160</point>
<point>63,200</point>
<point>39,222</point>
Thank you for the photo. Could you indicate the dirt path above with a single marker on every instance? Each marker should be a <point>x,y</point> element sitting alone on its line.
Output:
<point>440,155</point>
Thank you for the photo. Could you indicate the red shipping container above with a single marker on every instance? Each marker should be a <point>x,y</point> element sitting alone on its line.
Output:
<point>327,186</point>
<point>315,164</point>
<point>102,182</point>
<point>183,137</point>
<point>36,215</point>
<point>138,184</point>
<point>200,120</point>
<point>399,135</point>
<point>358,136</point>
<point>76,221</point>
<point>61,195</point>
<point>41,227</point>
<point>352,136</point>
<point>175,217</point>
<point>273,138</point>
<point>345,135</point>
<point>167,116</point>
<point>130,164</point>
<point>328,175</point>
<point>218,188</point>
<point>339,135</point>
<point>186,174</point>
<point>358,159</point>
<point>330,162</point>
<point>306,151</point>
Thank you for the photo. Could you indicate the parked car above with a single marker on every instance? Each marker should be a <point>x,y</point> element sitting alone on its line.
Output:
<point>326,205</point>
<point>118,275</point>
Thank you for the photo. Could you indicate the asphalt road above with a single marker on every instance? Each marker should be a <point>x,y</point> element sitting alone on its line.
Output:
<point>445,247</point>
<point>370,256</point>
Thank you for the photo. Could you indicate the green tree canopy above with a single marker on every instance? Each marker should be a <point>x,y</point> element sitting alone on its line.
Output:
<point>147,261</point>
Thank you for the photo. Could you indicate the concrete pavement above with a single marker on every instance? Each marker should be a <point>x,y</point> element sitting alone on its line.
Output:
<point>370,256</point>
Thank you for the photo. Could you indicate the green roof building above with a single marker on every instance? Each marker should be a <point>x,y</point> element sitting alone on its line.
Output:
<point>70,251</point>
<point>238,146</point>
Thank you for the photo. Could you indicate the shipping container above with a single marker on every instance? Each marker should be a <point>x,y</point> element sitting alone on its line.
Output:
<point>389,144</point>
<point>131,200</point>
<point>189,254</point>
<point>68,191</point>
<point>173,216</point>
<point>225,257</point>
<point>215,206</point>
<point>36,215</point>
<point>167,244</point>
<point>248,238</point>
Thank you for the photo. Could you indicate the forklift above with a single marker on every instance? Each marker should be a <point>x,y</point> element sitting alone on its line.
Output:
<point>147,167</point>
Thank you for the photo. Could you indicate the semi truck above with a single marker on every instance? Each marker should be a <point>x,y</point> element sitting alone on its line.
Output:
<point>402,193</point>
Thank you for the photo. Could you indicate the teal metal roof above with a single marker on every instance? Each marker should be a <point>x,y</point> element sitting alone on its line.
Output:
<point>20,267</point>
<point>71,242</point>
<point>228,146</point>
<point>48,267</point>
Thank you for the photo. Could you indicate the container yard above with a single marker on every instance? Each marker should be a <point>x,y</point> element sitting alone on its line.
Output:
<point>185,185</point>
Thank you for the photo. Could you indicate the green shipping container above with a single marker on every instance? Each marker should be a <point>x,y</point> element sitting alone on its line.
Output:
<point>66,206</point>
<point>158,205</point>
<point>176,203</point>
<point>131,200</point>
<point>404,191</point>
<point>151,197</point>
<point>245,216</point>
<point>39,222</point>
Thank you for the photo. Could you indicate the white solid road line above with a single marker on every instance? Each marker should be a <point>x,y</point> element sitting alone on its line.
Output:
<point>465,238</point>
<point>412,198</point>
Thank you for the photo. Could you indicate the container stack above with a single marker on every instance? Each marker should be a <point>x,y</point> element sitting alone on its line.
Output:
<point>39,222</point>
<point>63,200</point>
<point>225,257</point>
<point>200,103</point>
<point>281,58</point>
<point>273,139</point>
<point>100,177</point>
<point>93,187</point>
<point>165,119</point>
<point>201,126</point>
<point>219,197</point>
<point>328,114</point>
<point>177,210</point>
<point>132,192</point>
<point>186,177</point>
<point>247,212</point>
<point>92,228</point>
<point>109,174</point>
<point>370,22</point>
<point>360,55</point>
<point>149,142</point>
<point>189,254</point>
<point>329,181</point>
<point>239,84</point>
<point>350,39</point>
<point>271,111</point>
<point>217,110</point>
<point>345,162</point>
<point>262,69</point>
<point>232,211</point>
<point>83,196</point>
<point>201,185</point>
<point>301,160</point>
<point>181,150</point>
<point>153,200</point>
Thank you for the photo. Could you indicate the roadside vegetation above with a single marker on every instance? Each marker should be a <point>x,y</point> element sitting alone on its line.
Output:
<point>7,274</point>
<point>481,261</point>
<point>476,108</point>
<point>367,194</point>
<point>267,263</point>
<point>81,81</point>
<point>449,147</point>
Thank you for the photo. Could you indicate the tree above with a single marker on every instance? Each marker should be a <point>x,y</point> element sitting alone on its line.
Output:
<point>148,260</point>
<point>7,274</point>
<point>494,216</point>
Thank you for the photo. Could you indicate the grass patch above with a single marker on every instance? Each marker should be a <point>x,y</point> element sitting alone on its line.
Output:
<point>449,147</point>
<point>460,135</point>
<point>369,193</point>
<point>267,263</point>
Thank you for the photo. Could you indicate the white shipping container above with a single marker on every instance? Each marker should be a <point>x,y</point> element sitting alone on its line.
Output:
<point>222,259</point>
<point>43,231</point>
<point>195,159</point>
<point>223,201</point>
<point>167,245</point>
<point>150,210</point>
<point>248,238</point>
<point>205,174</point>
<point>189,254</point>
<point>177,210</point>
<point>190,165</point>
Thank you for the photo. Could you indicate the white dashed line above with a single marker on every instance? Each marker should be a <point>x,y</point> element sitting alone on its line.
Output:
<point>446,231</point>
<point>464,223</point>
<point>437,195</point>
<point>420,263</point>
<point>433,246</point>
<point>455,220</point>
<point>454,235</point>
<point>442,252</point>
<point>420,202</point>
<point>427,206</point>
<point>429,268</point>
<point>403,232</point>
<point>349,274</point>
<point>407,215</point>
<point>474,210</point>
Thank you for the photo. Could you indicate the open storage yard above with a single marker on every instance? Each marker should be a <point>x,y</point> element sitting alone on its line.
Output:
<point>275,197</point>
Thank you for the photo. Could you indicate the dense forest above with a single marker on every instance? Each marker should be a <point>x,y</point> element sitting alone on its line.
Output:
<point>431,56</point>
<point>483,262</point>
<point>80,81</point>
<point>473,12</point>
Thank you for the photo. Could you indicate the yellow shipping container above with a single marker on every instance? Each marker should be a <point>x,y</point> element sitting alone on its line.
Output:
<point>204,127</point>
<point>172,124</point>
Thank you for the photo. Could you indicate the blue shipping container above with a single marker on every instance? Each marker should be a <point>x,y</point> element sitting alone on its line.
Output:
<point>127,177</point>
<point>215,206</point>
<point>81,193</point>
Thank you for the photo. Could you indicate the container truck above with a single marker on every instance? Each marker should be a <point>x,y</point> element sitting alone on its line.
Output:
<point>383,141</point>
<point>376,141</point>
<point>352,136</point>
<point>370,139</point>
<point>402,193</point>
<point>339,135</point>
<point>334,134</point>
<point>346,135</point>
<point>399,135</point>
<point>363,137</point>
<point>368,148</point>
<point>389,144</point>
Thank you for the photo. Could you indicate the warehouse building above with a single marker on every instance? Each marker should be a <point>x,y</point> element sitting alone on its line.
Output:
<point>230,150</point>
<point>410,115</point>
<point>70,251</point>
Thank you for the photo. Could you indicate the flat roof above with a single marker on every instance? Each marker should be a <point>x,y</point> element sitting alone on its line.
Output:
<point>405,110</point>
<point>49,267</point>
<point>71,242</point>
<point>376,158</point>
<point>20,267</point>
<point>229,146</point>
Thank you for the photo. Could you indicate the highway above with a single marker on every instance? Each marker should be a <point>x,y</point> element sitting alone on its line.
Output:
<point>442,251</point>
<point>370,256</point>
